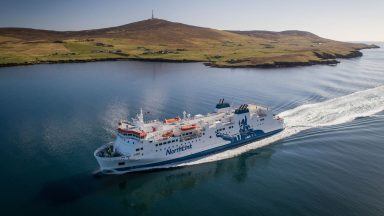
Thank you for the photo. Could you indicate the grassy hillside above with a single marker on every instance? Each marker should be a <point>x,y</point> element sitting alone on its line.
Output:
<point>161,40</point>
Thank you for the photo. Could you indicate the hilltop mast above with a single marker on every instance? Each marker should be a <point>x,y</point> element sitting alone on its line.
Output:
<point>152,14</point>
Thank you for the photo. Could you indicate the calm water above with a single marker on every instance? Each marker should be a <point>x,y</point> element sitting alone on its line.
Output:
<point>54,116</point>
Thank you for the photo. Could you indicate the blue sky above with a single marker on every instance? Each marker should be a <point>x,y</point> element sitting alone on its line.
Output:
<point>338,19</point>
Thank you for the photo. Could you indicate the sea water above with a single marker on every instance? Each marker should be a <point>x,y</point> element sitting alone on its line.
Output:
<point>328,161</point>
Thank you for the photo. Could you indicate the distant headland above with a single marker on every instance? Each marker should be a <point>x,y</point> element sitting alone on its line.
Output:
<point>161,40</point>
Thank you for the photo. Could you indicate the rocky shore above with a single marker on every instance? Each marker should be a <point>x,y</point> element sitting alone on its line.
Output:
<point>276,64</point>
<point>324,59</point>
<point>96,60</point>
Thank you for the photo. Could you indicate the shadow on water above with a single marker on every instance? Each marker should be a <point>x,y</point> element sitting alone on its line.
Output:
<point>139,190</point>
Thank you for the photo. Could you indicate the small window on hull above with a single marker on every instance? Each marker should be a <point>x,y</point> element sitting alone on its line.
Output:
<point>121,163</point>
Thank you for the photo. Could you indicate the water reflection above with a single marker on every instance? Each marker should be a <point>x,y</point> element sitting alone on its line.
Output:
<point>141,190</point>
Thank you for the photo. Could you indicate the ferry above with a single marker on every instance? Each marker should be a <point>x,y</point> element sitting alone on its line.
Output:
<point>143,145</point>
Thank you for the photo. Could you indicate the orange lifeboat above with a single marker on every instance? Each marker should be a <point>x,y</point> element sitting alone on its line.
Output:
<point>171,120</point>
<point>138,133</point>
<point>167,134</point>
<point>188,127</point>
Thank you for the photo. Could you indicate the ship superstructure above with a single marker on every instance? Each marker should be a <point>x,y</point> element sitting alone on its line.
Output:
<point>141,145</point>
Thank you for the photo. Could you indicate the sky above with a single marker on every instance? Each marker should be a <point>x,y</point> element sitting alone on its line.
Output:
<point>345,20</point>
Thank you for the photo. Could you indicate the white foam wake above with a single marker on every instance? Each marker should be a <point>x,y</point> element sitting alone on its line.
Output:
<point>331,112</point>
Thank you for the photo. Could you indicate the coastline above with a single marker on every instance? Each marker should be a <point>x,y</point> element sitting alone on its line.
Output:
<point>324,59</point>
<point>96,60</point>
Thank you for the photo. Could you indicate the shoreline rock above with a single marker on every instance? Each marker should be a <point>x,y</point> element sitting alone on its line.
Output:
<point>277,64</point>
<point>327,56</point>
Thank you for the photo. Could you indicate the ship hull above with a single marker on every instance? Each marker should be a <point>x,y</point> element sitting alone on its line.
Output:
<point>141,165</point>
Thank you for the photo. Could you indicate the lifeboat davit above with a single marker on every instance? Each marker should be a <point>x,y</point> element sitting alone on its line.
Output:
<point>139,133</point>
<point>188,127</point>
<point>171,120</point>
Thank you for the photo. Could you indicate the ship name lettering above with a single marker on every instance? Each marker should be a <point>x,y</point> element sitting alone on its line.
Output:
<point>179,149</point>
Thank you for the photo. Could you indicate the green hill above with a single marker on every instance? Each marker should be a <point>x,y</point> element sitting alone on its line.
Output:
<point>161,40</point>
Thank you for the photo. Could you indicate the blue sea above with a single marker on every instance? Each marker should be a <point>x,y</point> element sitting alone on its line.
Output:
<point>329,160</point>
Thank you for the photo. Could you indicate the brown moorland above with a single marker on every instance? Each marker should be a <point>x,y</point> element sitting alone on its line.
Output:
<point>161,40</point>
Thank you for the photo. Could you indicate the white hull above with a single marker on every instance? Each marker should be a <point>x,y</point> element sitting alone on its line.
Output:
<point>225,129</point>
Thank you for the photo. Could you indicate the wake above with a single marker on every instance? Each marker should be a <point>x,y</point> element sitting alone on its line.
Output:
<point>331,112</point>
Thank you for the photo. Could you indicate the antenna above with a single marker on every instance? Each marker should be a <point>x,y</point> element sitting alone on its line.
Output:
<point>152,14</point>
<point>140,116</point>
